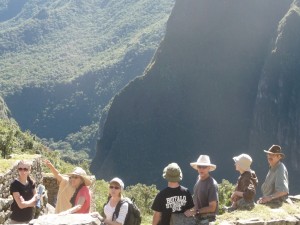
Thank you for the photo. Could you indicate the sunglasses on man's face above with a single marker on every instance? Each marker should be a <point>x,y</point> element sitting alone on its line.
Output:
<point>114,187</point>
<point>202,167</point>
<point>23,169</point>
<point>74,177</point>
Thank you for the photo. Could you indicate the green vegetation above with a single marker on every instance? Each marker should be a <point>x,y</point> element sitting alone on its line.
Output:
<point>51,42</point>
<point>225,190</point>
<point>63,61</point>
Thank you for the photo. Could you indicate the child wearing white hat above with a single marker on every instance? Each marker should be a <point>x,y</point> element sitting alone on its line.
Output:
<point>245,190</point>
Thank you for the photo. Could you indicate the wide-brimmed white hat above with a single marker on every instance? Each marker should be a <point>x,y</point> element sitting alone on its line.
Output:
<point>203,160</point>
<point>81,172</point>
<point>118,181</point>
<point>244,161</point>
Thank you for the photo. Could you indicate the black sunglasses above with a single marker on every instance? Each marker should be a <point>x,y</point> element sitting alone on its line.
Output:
<point>24,169</point>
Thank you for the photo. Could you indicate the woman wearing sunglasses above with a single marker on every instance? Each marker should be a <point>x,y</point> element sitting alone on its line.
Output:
<point>116,186</point>
<point>81,199</point>
<point>24,195</point>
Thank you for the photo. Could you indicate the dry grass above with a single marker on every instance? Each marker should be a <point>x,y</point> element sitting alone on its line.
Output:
<point>262,212</point>
<point>6,164</point>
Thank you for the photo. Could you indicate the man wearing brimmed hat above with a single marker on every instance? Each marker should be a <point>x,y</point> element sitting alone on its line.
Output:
<point>275,189</point>
<point>205,191</point>
<point>245,190</point>
<point>173,199</point>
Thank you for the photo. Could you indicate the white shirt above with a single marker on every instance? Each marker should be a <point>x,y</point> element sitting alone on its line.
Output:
<point>109,211</point>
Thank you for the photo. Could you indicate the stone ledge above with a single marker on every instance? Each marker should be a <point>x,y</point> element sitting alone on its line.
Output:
<point>70,219</point>
<point>181,219</point>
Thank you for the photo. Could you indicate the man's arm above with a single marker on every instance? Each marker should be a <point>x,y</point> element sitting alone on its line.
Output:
<point>156,217</point>
<point>211,208</point>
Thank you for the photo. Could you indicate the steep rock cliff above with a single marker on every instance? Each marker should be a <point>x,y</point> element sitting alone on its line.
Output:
<point>197,96</point>
<point>277,109</point>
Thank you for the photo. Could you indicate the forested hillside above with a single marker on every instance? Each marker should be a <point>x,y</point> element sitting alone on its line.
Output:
<point>224,81</point>
<point>62,61</point>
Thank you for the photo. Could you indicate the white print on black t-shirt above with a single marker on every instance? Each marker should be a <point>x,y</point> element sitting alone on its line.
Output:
<point>175,203</point>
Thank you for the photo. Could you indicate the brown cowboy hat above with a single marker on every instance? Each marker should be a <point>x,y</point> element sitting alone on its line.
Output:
<point>276,150</point>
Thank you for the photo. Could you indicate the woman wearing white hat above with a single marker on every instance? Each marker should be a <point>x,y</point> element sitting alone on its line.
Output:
<point>205,191</point>
<point>116,208</point>
<point>81,199</point>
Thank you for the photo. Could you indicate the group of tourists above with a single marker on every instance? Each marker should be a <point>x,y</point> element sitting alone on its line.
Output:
<point>74,195</point>
<point>204,203</point>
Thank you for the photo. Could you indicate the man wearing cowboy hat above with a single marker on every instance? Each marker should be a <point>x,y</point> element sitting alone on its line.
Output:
<point>276,186</point>
<point>205,191</point>
<point>173,199</point>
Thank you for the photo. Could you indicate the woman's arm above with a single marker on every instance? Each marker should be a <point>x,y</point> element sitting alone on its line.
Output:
<point>22,203</point>
<point>53,170</point>
<point>76,208</point>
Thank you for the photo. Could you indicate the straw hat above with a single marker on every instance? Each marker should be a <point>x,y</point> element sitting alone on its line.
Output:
<point>203,160</point>
<point>81,172</point>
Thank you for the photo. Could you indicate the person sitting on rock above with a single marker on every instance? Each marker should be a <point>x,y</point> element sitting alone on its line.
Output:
<point>115,197</point>
<point>81,199</point>
<point>275,189</point>
<point>245,190</point>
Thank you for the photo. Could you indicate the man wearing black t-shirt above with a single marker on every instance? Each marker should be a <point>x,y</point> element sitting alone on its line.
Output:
<point>173,199</point>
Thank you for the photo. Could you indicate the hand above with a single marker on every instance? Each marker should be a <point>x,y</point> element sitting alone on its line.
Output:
<point>97,215</point>
<point>47,162</point>
<point>190,212</point>
<point>264,200</point>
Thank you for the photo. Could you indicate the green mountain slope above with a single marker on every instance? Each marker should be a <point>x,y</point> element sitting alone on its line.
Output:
<point>62,61</point>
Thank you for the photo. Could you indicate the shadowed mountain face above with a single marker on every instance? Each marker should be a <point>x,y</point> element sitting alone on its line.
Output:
<point>201,93</point>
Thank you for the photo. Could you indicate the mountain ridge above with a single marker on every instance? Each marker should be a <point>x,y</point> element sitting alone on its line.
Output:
<point>197,96</point>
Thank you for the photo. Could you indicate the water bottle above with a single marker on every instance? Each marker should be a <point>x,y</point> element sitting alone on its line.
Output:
<point>41,189</point>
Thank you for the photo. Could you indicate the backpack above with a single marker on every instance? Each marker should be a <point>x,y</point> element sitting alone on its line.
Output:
<point>133,216</point>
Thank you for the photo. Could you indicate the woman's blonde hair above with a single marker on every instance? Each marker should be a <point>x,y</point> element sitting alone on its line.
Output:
<point>29,165</point>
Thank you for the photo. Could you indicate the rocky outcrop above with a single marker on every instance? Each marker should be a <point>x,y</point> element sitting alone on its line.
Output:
<point>200,95</point>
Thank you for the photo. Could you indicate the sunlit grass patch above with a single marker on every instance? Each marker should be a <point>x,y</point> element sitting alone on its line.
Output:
<point>261,212</point>
<point>6,164</point>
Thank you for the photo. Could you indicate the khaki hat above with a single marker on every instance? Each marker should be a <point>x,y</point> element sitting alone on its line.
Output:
<point>276,150</point>
<point>81,172</point>
<point>244,161</point>
<point>203,160</point>
<point>172,173</point>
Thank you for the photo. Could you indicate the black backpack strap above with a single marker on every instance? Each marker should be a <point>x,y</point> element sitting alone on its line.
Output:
<point>117,209</point>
